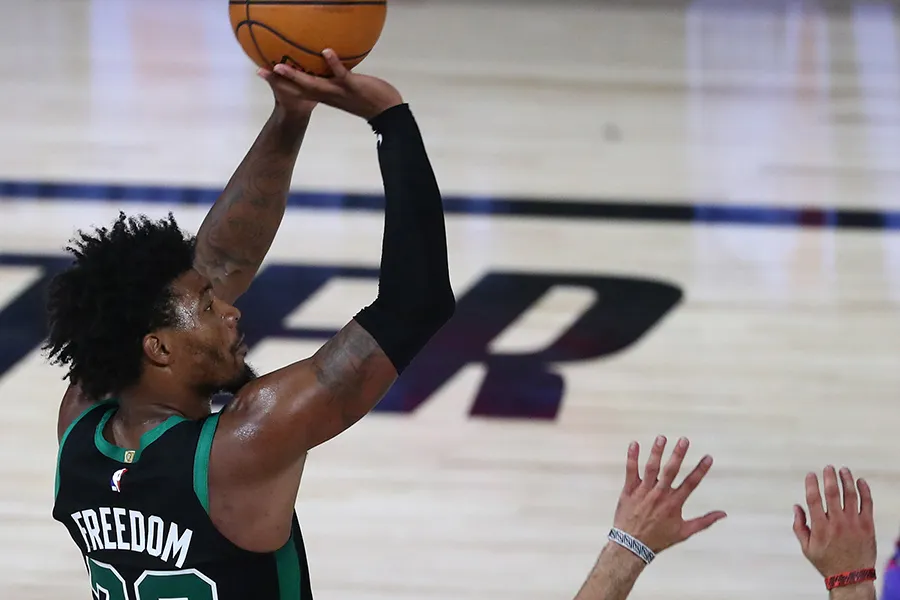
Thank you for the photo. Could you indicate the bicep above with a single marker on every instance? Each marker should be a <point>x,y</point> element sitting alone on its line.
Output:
<point>280,416</point>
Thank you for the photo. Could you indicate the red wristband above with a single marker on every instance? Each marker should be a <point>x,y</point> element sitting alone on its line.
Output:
<point>849,578</point>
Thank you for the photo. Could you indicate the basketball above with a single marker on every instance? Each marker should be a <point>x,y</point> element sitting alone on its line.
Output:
<point>296,32</point>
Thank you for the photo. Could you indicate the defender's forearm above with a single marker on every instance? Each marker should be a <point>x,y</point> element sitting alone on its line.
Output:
<point>238,231</point>
<point>613,576</point>
<point>861,591</point>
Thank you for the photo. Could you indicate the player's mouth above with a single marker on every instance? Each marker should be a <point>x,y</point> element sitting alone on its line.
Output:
<point>240,347</point>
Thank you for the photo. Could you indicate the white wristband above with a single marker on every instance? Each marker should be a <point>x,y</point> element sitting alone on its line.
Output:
<point>630,543</point>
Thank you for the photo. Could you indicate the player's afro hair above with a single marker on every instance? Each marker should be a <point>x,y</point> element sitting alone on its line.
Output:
<point>117,291</point>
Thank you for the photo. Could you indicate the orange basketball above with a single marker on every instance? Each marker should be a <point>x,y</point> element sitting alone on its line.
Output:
<point>296,31</point>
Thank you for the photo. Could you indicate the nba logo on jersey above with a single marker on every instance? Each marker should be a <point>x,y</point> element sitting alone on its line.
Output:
<point>116,482</point>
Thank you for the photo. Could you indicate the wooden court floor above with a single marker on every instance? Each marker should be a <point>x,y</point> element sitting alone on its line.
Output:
<point>673,220</point>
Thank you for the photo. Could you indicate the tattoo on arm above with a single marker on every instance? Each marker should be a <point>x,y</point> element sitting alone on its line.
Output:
<point>240,227</point>
<point>354,372</point>
<point>280,416</point>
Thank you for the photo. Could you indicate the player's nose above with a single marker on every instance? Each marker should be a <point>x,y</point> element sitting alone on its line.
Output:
<point>232,315</point>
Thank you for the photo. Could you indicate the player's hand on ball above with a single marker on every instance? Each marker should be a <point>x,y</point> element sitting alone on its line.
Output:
<point>287,95</point>
<point>361,95</point>
<point>840,537</point>
<point>650,508</point>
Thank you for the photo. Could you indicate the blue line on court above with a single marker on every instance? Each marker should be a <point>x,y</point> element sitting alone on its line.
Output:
<point>553,208</point>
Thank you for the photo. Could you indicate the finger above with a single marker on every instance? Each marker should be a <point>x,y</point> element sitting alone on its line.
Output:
<point>851,500</point>
<point>303,80</point>
<point>866,509</point>
<point>286,88</point>
<point>801,529</point>
<point>278,82</point>
<point>652,468</point>
<point>690,483</point>
<point>700,523</point>
<point>334,63</point>
<point>632,479</point>
<point>264,73</point>
<point>814,501</point>
<point>673,465</point>
<point>832,492</point>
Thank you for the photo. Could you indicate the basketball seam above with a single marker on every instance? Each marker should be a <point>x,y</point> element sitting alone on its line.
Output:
<point>252,35</point>
<point>251,22</point>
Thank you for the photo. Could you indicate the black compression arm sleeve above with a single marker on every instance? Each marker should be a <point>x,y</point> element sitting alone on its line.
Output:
<point>415,298</point>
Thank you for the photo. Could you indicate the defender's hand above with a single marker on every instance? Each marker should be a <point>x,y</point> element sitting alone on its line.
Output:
<point>361,95</point>
<point>839,538</point>
<point>650,509</point>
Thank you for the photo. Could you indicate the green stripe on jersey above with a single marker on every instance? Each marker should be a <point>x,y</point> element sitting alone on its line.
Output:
<point>201,460</point>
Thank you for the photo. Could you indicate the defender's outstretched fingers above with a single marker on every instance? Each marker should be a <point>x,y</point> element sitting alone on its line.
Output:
<point>866,510</point>
<point>673,465</point>
<point>814,501</point>
<point>700,523</point>
<point>801,529</point>
<point>632,479</point>
<point>832,493</point>
<point>651,470</point>
<point>851,499</point>
<point>690,483</point>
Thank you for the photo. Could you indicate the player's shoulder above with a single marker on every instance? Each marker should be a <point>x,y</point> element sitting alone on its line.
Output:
<point>75,405</point>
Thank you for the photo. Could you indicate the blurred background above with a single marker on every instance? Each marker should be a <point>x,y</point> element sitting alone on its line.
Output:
<point>663,217</point>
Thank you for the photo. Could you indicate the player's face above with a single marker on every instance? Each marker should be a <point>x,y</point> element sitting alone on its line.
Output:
<point>209,349</point>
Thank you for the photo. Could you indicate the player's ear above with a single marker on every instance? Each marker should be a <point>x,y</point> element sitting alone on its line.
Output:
<point>157,349</point>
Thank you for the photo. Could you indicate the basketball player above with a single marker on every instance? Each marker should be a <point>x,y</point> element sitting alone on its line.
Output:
<point>163,498</point>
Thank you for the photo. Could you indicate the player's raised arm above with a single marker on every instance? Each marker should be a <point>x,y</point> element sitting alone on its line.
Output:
<point>239,228</point>
<point>270,424</point>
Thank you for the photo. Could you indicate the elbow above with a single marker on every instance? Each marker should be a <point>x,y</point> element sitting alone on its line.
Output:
<point>402,332</point>
<point>426,324</point>
<point>447,305</point>
<point>443,308</point>
<point>431,315</point>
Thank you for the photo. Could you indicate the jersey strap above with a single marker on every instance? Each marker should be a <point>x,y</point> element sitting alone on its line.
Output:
<point>287,560</point>
<point>62,441</point>
<point>201,460</point>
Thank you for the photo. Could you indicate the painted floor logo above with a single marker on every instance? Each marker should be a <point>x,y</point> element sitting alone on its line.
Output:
<point>523,385</point>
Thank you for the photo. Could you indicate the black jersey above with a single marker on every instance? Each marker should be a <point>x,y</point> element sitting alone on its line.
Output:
<point>140,518</point>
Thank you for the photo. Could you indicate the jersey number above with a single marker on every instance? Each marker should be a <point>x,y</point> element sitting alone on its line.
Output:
<point>189,584</point>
